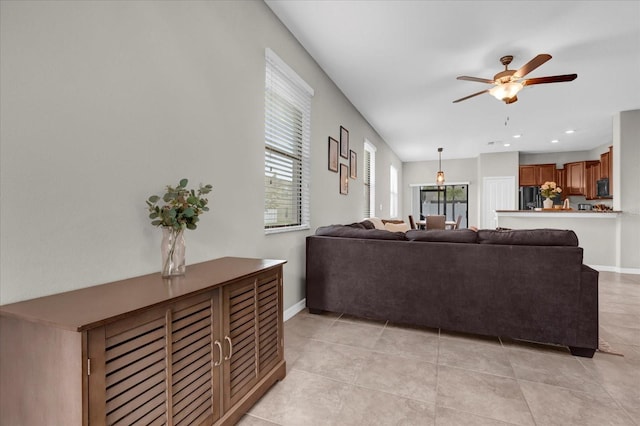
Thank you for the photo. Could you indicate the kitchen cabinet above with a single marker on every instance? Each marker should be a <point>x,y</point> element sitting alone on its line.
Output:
<point>197,349</point>
<point>528,175</point>
<point>561,180</point>
<point>546,173</point>
<point>606,168</point>
<point>575,178</point>
<point>592,175</point>
<point>576,175</point>
<point>536,174</point>
<point>605,165</point>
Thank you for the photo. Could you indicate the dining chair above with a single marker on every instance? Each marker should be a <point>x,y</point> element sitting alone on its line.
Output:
<point>458,220</point>
<point>412,223</point>
<point>435,221</point>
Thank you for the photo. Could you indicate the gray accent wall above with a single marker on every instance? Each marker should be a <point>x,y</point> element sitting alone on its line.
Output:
<point>626,183</point>
<point>104,103</point>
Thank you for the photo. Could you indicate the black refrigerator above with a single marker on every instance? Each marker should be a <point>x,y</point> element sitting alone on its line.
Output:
<point>530,198</point>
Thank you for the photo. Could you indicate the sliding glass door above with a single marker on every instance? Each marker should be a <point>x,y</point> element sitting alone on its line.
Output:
<point>448,200</point>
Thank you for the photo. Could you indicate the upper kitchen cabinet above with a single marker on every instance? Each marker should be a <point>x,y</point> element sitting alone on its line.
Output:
<point>537,174</point>
<point>576,175</point>
<point>604,165</point>
<point>561,180</point>
<point>610,169</point>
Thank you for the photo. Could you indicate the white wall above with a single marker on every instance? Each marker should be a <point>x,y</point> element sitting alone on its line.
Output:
<point>105,103</point>
<point>626,181</point>
<point>501,164</point>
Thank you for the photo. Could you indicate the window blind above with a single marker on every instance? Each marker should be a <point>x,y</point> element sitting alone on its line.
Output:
<point>369,179</point>
<point>287,168</point>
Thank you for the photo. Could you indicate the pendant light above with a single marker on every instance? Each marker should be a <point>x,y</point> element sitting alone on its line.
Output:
<point>440,175</point>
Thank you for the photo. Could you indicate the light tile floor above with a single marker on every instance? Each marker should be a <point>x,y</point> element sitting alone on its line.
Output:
<point>343,370</point>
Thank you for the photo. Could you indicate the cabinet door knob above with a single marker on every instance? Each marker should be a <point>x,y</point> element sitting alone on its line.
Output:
<point>217,363</point>
<point>226,358</point>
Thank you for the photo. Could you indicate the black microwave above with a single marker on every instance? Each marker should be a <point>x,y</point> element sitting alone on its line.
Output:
<point>603,188</point>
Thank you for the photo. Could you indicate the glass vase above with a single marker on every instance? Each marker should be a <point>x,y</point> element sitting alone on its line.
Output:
<point>173,251</point>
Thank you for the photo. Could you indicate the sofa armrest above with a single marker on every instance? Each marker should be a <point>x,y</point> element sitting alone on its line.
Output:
<point>587,332</point>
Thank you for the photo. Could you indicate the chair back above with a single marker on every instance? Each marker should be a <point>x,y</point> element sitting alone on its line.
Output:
<point>435,221</point>
<point>412,223</point>
<point>458,220</point>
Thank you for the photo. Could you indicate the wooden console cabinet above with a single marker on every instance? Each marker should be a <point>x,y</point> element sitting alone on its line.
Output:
<point>194,350</point>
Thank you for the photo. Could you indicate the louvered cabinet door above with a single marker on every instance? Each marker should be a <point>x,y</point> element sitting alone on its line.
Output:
<point>270,340</point>
<point>127,371</point>
<point>160,367</point>
<point>240,341</point>
<point>195,359</point>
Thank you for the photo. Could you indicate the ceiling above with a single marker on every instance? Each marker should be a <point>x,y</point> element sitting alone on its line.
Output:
<point>397,62</point>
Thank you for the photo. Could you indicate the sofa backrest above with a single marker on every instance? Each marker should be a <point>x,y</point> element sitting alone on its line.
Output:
<point>354,232</point>
<point>528,237</point>
<point>520,237</point>
<point>444,236</point>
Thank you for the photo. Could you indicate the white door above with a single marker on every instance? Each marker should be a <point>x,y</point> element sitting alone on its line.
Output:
<point>498,193</point>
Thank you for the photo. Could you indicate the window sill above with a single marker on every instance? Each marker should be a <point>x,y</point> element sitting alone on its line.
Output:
<point>286,229</point>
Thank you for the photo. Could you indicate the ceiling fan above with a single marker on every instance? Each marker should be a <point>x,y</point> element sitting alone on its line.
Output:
<point>509,82</point>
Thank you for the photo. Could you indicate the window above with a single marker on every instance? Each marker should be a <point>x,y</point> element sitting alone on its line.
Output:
<point>369,179</point>
<point>449,200</point>
<point>287,135</point>
<point>393,192</point>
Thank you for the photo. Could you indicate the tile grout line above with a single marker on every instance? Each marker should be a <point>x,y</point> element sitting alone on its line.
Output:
<point>615,400</point>
<point>435,400</point>
<point>524,398</point>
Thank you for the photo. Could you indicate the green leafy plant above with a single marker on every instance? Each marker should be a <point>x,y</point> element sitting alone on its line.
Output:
<point>182,206</point>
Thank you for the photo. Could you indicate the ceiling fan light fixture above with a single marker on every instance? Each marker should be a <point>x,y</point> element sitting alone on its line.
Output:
<point>506,91</point>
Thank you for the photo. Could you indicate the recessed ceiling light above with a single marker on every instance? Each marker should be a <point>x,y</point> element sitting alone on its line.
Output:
<point>517,136</point>
<point>507,144</point>
<point>570,131</point>
<point>555,141</point>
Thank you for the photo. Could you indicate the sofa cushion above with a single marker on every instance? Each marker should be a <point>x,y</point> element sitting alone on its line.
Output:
<point>367,224</point>
<point>385,221</point>
<point>349,232</point>
<point>396,227</point>
<point>377,222</point>
<point>443,236</point>
<point>529,237</point>
<point>358,225</point>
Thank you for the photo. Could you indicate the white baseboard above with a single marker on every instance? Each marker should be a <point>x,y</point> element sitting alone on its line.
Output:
<point>604,268</point>
<point>289,313</point>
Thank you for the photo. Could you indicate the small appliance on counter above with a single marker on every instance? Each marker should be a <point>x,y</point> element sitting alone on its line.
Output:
<point>585,206</point>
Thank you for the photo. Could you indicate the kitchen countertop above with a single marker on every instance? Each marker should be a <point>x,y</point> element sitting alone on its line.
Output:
<point>559,213</point>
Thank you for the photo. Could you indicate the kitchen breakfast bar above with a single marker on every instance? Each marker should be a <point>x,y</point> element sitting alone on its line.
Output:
<point>597,231</point>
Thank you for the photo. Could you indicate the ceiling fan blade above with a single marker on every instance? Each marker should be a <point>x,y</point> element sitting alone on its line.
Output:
<point>470,96</point>
<point>479,80</point>
<point>551,79</point>
<point>532,65</point>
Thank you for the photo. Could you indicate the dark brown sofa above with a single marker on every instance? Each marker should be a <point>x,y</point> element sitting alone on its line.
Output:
<point>522,284</point>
